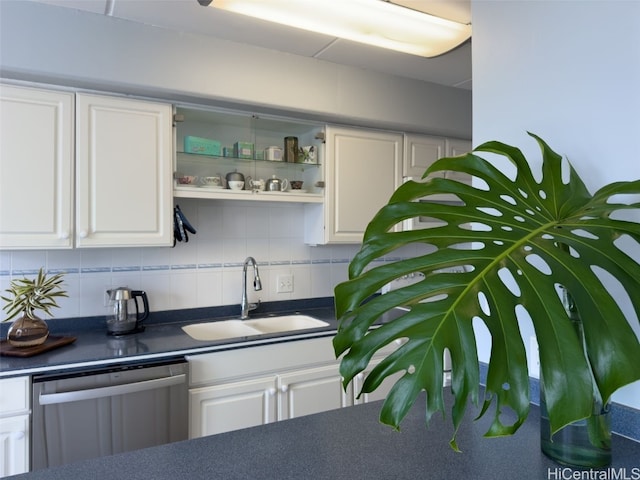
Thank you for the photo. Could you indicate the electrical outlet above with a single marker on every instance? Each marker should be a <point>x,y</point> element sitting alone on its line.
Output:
<point>534,357</point>
<point>285,284</point>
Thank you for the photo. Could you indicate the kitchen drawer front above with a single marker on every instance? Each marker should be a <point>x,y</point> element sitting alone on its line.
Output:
<point>251,361</point>
<point>14,396</point>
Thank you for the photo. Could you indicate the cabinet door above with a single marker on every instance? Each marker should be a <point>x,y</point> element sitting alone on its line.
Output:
<point>420,151</point>
<point>14,445</point>
<point>36,168</point>
<point>310,391</point>
<point>363,169</point>
<point>379,393</point>
<point>232,406</point>
<point>457,147</point>
<point>124,169</point>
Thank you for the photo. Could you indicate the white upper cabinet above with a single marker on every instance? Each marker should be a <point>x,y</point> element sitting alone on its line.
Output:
<point>36,168</point>
<point>123,172</point>
<point>457,147</point>
<point>420,151</point>
<point>363,169</point>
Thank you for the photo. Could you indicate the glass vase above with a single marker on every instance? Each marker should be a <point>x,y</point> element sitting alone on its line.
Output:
<point>584,443</point>
<point>28,332</point>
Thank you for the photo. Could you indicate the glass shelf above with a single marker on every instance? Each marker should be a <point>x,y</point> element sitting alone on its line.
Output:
<point>198,157</point>
<point>228,128</point>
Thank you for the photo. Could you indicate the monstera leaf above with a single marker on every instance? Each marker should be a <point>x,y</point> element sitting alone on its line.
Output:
<point>520,243</point>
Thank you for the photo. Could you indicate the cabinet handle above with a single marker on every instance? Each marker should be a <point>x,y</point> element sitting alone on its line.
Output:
<point>17,435</point>
<point>64,235</point>
<point>83,234</point>
<point>284,388</point>
<point>271,392</point>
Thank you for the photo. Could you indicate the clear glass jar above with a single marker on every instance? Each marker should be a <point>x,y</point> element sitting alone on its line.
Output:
<point>587,442</point>
<point>28,332</point>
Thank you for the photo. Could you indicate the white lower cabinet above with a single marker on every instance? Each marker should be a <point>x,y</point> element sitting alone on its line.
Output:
<point>257,385</point>
<point>14,426</point>
<point>379,393</point>
<point>232,406</point>
<point>14,445</point>
<point>312,390</point>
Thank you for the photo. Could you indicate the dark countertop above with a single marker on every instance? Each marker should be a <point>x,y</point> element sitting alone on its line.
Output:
<point>349,444</point>
<point>162,339</point>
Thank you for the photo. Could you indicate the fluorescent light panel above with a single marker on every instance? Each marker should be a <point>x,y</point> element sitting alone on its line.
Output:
<point>373,22</point>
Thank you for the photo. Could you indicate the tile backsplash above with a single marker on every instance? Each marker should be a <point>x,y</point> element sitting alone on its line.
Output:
<point>206,271</point>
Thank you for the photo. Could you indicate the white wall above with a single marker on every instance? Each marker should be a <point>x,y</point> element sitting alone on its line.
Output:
<point>47,43</point>
<point>569,72</point>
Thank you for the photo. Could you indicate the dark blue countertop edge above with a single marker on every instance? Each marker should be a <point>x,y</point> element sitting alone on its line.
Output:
<point>351,443</point>
<point>162,339</point>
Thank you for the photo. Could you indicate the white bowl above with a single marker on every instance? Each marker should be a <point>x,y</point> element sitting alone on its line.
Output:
<point>235,185</point>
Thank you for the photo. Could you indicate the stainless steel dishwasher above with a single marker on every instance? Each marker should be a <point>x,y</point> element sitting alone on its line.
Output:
<point>102,412</point>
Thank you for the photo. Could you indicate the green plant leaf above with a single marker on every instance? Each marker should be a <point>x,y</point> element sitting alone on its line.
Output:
<point>31,295</point>
<point>517,242</point>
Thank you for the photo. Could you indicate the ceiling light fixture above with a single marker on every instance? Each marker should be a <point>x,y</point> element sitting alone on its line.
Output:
<point>373,22</point>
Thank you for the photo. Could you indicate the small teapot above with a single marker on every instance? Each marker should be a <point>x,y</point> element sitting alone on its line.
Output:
<point>276,185</point>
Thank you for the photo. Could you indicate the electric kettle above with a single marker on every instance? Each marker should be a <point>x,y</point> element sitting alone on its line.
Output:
<point>125,316</point>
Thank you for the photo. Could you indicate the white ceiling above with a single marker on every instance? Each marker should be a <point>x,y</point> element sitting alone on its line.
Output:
<point>452,69</point>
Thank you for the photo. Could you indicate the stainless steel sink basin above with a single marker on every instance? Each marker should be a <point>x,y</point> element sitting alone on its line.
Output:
<point>226,329</point>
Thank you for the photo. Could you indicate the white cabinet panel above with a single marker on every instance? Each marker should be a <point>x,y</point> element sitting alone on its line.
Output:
<point>14,395</point>
<point>420,151</point>
<point>363,169</point>
<point>311,391</point>
<point>123,172</point>
<point>253,386</point>
<point>14,445</point>
<point>36,168</point>
<point>14,426</point>
<point>232,406</point>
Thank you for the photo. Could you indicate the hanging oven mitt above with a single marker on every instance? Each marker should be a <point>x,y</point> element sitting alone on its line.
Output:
<point>181,226</point>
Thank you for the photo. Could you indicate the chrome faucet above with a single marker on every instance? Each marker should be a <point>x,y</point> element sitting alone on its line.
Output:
<point>245,306</point>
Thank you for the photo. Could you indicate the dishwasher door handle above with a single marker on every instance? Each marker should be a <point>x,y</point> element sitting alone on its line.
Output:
<point>65,397</point>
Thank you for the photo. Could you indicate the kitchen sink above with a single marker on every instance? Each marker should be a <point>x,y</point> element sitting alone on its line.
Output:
<point>285,323</point>
<point>226,329</point>
<point>219,330</point>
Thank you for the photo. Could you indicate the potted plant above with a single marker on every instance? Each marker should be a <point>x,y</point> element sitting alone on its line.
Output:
<point>527,247</point>
<point>25,297</point>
